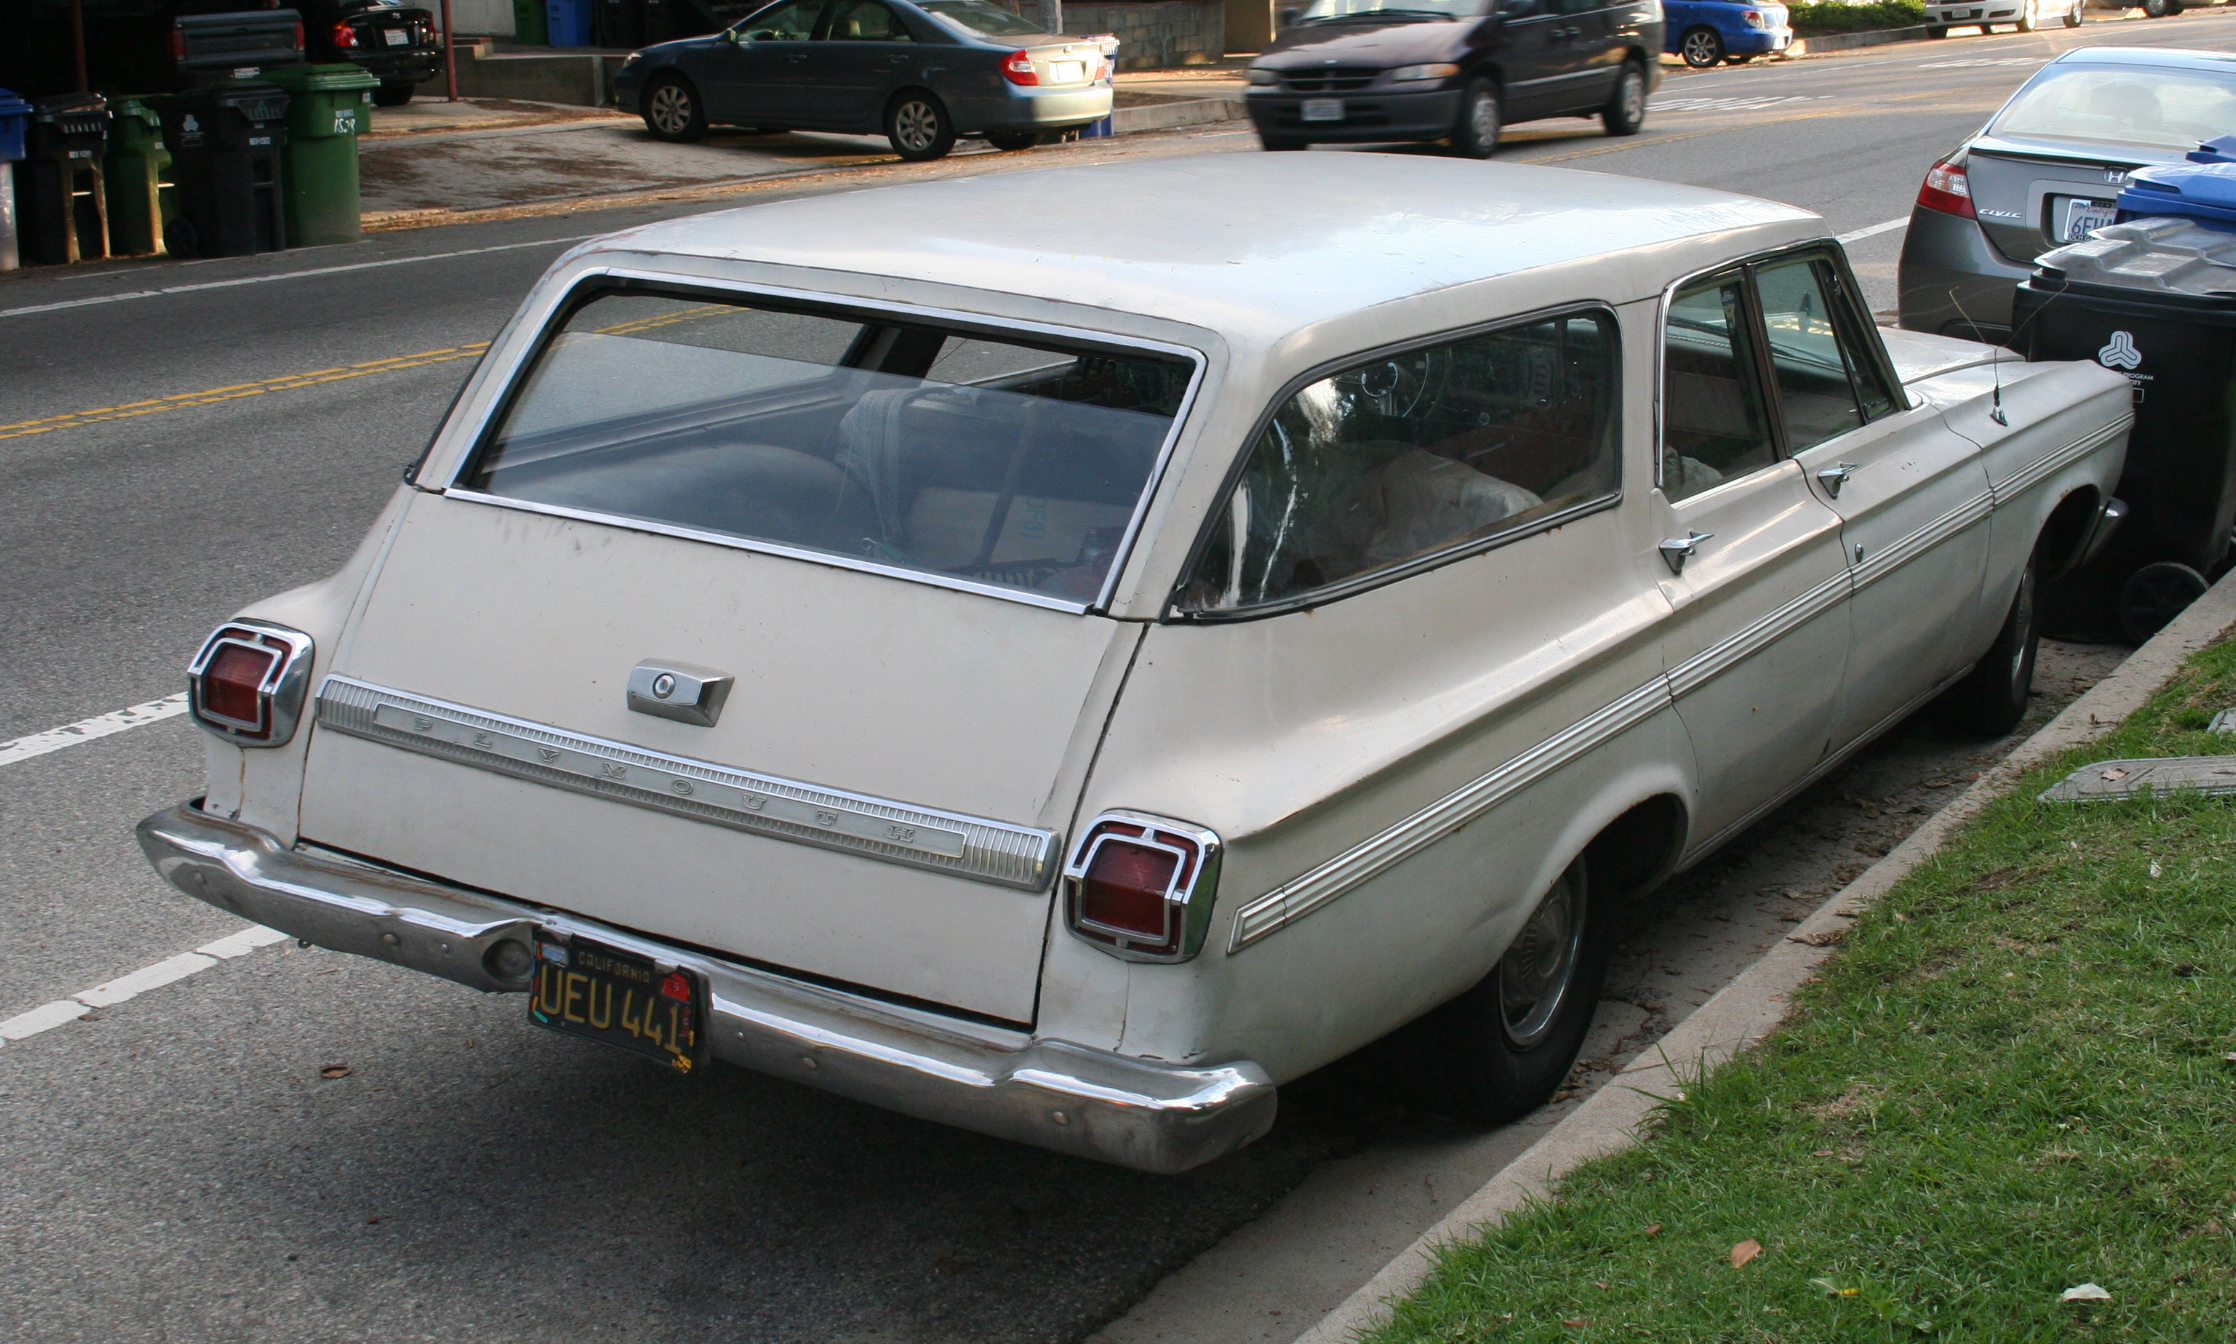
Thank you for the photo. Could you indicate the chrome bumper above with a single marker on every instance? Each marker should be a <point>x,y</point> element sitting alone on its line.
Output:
<point>1090,1103</point>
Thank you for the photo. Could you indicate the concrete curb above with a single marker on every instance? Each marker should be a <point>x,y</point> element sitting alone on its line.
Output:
<point>1756,1001</point>
<point>1870,37</point>
<point>1166,116</point>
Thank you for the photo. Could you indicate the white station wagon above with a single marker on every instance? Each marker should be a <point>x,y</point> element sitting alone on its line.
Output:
<point>1066,674</point>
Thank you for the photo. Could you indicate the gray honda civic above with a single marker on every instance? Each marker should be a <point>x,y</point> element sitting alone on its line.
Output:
<point>2045,171</point>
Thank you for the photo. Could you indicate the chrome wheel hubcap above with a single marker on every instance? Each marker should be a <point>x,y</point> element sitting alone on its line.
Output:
<point>1534,975</point>
<point>1634,97</point>
<point>671,108</point>
<point>1482,119</point>
<point>917,125</point>
<point>1700,49</point>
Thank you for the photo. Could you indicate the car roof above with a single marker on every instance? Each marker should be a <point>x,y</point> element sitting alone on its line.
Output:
<point>1239,243</point>
<point>2183,58</point>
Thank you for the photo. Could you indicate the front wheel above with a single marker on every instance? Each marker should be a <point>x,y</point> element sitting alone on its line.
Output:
<point>392,95</point>
<point>1991,699</point>
<point>1501,1049</point>
<point>1936,30</point>
<point>2073,15</point>
<point>1701,47</point>
<point>1476,136</point>
<point>1626,110</point>
<point>1279,143</point>
<point>2156,594</point>
<point>672,112</point>
<point>2026,20</point>
<point>1012,140</point>
<point>918,128</point>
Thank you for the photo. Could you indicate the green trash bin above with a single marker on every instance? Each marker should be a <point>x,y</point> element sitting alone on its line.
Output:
<point>137,176</point>
<point>328,106</point>
<point>529,27</point>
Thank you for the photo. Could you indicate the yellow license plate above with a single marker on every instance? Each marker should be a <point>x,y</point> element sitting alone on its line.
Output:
<point>587,989</point>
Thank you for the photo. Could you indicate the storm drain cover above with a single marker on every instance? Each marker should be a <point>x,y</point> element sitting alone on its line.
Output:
<point>2109,780</point>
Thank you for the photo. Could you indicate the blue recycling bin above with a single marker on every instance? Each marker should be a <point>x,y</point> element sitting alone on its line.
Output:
<point>568,22</point>
<point>15,120</point>
<point>2202,190</point>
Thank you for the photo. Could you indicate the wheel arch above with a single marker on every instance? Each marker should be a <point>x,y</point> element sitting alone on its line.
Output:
<point>2064,535</point>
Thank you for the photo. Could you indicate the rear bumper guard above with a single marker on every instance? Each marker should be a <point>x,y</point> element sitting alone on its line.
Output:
<point>1091,1103</point>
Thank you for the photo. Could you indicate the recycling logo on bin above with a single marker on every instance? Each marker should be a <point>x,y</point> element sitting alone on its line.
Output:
<point>2120,353</point>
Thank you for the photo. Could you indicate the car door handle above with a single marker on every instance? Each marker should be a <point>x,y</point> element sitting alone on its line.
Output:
<point>1835,476</point>
<point>1675,551</point>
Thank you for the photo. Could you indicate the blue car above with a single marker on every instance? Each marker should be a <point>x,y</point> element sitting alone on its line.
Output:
<point>1711,32</point>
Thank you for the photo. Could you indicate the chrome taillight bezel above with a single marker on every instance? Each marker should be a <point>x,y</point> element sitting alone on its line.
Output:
<point>1188,899</point>
<point>280,695</point>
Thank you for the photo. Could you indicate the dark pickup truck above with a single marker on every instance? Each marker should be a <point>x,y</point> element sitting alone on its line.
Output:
<point>157,46</point>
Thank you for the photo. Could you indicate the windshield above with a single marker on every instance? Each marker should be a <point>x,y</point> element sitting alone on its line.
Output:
<point>2146,106</point>
<point>1017,463</point>
<point>1337,11</point>
<point>977,16</point>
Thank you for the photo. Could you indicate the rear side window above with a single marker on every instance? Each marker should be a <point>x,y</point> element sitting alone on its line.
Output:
<point>1016,463</point>
<point>1407,460</point>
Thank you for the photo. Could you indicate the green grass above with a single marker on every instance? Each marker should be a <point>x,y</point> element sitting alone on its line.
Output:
<point>1836,16</point>
<point>2010,1080</point>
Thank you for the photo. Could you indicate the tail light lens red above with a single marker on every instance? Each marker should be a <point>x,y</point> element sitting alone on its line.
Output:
<point>1948,189</point>
<point>178,44</point>
<point>344,35</point>
<point>298,34</point>
<point>1142,887</point>
<point>1017,68</point>
<point>248,683</point>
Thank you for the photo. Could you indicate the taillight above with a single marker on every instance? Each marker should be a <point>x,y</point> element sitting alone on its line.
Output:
<point>298,34</point>
<point>247,685</point>
<point>1017,68</point>
<point>1947,189</point>
<point>344,35</point>
<point>178,44</point>
<point>1141,887</point>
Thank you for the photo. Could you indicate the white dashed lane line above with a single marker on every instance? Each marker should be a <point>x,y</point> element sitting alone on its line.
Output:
<point>48,1016</point>
<point>88,730</point>
<point>1858,235</point>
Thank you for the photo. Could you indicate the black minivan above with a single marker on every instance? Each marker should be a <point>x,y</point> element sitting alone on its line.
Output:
<point>1353,71</point>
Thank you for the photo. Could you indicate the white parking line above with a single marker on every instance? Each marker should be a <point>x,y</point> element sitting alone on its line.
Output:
<point>1874,231</point>
<point>285,275</point>
<point>48,1016</point>
<point>86,730</point>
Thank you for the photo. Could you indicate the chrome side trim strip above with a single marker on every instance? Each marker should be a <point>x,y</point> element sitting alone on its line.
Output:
<point>1717,659</point>
<point>2033,473</point>
<point>1293,900</point>
<point>1916,544</point>
<point>989,851</point>
<point>1141,1113</point>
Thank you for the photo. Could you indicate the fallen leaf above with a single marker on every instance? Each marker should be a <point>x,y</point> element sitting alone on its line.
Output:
<point>370,1221</point>
<point>336,1071</point>
<point>1745,1251</point>
<point>2087,1292</point>
<point>2230,1056</point>
<point>2113,776</point>
<point>1577,1324</point>
<point>1821,938</point>
<point>1653,1229</point>
<point>1599,1283</point>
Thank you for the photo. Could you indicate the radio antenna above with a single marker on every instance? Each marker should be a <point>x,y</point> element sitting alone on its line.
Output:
<point>1995,363</point>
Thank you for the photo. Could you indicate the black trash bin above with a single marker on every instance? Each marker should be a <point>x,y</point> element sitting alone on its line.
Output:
<point>63,208</point>
<point>225,144</point>
<point>2151,298</point>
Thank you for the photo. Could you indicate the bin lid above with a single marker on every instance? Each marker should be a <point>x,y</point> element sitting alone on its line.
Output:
<point>72,104</point>
<point>2164,256</point>
<point>2197,190</point>
<point>133,109</point>
<point>2222,150</point>
<point>321,78</point>
<point>12,106</point>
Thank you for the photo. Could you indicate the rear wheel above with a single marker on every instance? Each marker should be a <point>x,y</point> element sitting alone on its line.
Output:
<point>1500,1050</point>
<point>918,127</point>
<point>2157,9</point>
<point>1626,109</point>
<point>1991,699</point>
<point>1010,140</point>
<point>1279,143</point>
<point>2027,22</point>
<point>392,95</point>
<point>2073,15</point>
<point>1701,47</point>
<point>1476,135</point>
<point>672,112</point>
<point>2156,594</point>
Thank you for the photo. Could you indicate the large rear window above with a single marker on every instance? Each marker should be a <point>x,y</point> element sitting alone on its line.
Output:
<point>2157,107</point>
<point>1005,460</point>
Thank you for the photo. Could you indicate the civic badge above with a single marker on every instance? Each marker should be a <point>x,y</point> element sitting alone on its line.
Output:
<point>684,692</point>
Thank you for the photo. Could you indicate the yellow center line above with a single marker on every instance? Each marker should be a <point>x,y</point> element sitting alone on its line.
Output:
<point>213,395</point>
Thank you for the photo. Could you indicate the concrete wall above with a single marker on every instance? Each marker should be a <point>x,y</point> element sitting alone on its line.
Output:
<point>480,18</point>
<point>1153,34</point>
<point>585,81</point>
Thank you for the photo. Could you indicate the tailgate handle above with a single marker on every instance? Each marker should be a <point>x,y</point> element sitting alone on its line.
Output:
<point>684,692</point>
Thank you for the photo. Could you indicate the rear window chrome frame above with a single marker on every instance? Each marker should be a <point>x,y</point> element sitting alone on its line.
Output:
<point>598,281</point>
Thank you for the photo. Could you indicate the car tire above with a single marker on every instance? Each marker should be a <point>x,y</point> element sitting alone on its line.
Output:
<point>917,125</point>
<point>1476,134</point>
<point>2157,9</point>
<point>1280,143</point>
<point>2073,15</point>
<point>672,112</point>
<point>1012,140</point>
<point>2026,20</point>
<point>1936,30</point>
<point>1991,699</point>
<point>2156,594</point>
<point>1500,1050</point>
<point>392,95</point>
<point>1701,47</point>
<point>1626,107</point>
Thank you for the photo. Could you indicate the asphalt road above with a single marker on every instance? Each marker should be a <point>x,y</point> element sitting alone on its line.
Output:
<point>178,440</point>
